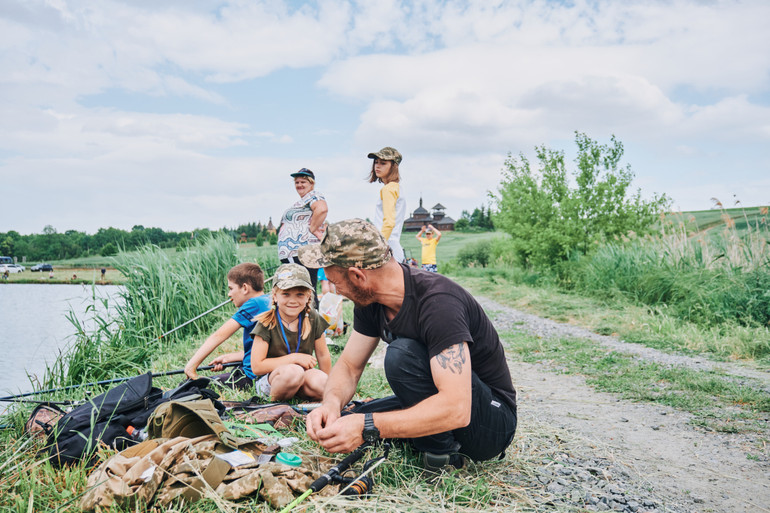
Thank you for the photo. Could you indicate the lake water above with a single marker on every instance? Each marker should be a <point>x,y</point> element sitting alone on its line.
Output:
<point>34,327</point>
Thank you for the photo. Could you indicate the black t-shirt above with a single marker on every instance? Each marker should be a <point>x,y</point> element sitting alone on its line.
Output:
<point>440,313</point>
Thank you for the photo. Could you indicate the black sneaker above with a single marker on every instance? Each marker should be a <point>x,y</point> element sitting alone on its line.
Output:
<point>435,462</point>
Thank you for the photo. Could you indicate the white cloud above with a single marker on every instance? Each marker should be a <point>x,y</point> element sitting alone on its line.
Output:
<point>453,84</point>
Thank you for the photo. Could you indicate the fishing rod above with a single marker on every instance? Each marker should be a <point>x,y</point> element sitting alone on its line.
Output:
<point>359,485</point>
<point>108,381</point>
<point>220,305</point>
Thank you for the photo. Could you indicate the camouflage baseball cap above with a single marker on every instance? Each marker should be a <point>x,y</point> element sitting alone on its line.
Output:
<point>289,276</point>
<point>387,153</point>
<point>349,243</point>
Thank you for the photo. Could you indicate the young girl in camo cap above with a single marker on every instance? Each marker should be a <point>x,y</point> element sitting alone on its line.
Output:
<point>390,210</point>
<point>285,338</point>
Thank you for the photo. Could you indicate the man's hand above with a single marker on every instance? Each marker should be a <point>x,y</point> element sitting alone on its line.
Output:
<point>342,435</point>
<point>319,418</point>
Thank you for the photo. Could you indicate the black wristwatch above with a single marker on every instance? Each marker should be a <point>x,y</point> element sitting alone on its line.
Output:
<point>370,433</point>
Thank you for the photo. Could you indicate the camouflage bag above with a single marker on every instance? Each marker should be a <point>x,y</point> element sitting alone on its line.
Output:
<point>43,419</point>
<point>189,419</point>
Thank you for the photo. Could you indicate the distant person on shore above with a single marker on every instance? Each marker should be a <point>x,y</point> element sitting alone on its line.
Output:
<point>429,243</point>
<point>103,273</point>
<point>390,210</point>
<point>245,283</point>
<point>287,336</point>
<point>50,274</point>
<point>6,274</point>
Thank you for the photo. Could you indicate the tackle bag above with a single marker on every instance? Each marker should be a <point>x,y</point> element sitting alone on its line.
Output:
<point>43,419</point>
<point>190,419</point>
<point>107,417</point>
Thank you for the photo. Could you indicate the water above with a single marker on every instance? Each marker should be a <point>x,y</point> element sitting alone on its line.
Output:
<point>34,327</point>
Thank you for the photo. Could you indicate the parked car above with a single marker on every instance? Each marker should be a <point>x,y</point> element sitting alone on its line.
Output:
<point>11,268</point>
<point>41,267</point>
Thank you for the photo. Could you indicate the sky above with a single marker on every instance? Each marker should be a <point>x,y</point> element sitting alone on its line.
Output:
<point>185,114</point>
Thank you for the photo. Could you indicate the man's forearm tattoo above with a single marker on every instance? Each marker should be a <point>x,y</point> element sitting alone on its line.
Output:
<point>452,358</point>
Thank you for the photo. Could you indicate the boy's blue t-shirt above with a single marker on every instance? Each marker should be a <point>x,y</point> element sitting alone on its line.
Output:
<point>246,317</point>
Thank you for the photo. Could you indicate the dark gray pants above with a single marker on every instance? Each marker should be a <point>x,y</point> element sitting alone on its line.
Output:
<point>493,422</point>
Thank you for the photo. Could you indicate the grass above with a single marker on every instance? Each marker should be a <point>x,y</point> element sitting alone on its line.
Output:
<point>173,287</point>
<point>70,275</point>
<point>617,315</point>
<point>717,400</point>
<point>448,247</point>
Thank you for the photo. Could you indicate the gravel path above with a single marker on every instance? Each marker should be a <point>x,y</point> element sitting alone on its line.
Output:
<point>616,455</point>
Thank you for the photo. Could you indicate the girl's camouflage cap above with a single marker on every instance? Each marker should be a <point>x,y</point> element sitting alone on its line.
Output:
<point>387,153</point>
<point>289,276</point>
<point>349,243</point>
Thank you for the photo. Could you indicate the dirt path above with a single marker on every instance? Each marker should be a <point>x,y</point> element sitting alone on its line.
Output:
<point>649,457</point>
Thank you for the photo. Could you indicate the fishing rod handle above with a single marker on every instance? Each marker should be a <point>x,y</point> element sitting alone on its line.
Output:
<point>339,468</point>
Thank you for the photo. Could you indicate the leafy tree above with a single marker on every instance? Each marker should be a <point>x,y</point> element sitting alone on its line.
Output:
<point>7,246</point>
<point>109,249</point>
<point>479,220</point>
<point>462,224</point>
<point>549,220</point>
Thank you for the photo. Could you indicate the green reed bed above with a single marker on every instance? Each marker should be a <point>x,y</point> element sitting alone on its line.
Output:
<point>710,279</point>
<point>160,293</point>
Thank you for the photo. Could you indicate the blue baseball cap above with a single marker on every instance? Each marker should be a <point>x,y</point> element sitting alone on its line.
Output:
<point>304,172</point>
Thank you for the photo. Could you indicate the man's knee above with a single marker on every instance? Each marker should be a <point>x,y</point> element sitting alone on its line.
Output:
<point>406,357</point>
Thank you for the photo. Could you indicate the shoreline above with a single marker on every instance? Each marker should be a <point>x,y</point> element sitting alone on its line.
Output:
<point>67,276</point>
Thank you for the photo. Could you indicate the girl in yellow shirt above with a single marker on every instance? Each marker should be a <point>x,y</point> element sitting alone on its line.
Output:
<point>390,210</point>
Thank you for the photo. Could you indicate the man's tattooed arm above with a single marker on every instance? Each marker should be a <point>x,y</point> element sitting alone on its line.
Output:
<point>453,358</point>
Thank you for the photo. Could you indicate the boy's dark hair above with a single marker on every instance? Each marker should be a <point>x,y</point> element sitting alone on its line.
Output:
<point>247,273</point>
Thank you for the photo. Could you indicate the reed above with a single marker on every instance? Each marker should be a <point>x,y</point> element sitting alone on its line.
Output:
<point>160,293</point>
<point>707,278</point>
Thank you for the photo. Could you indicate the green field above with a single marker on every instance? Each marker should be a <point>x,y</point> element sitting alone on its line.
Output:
<point>714,221</point>
<point>450,244</point>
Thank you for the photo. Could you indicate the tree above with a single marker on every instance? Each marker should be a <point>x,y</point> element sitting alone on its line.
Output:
<point>549,221</point>
<point>109,249</point>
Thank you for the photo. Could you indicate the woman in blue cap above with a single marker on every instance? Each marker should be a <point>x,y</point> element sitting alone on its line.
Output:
<point>302,221</point>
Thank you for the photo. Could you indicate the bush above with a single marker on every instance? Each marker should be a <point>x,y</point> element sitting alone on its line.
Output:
<point>476,254</point>
<point>549,221</point>
<point>109,249</point>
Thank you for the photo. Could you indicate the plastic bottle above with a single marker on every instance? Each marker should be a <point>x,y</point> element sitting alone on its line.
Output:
<point>139,435</point>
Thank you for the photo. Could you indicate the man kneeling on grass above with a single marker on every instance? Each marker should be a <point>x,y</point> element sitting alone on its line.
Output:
<point>444,362</point>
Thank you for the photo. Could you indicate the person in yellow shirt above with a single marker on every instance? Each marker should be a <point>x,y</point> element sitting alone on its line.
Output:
<point>390,210</point>
<point>429,243</point>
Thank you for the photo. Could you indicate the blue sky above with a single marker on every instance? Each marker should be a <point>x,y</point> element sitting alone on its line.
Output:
<point>188,114</point>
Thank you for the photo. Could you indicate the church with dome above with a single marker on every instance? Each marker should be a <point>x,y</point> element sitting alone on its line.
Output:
<point>437,218</point>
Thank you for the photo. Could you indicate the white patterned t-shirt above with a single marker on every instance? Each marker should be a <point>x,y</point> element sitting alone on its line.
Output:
<point>295,226</point>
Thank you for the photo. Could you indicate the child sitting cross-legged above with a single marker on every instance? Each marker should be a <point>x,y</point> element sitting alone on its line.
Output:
<point>285,338</point>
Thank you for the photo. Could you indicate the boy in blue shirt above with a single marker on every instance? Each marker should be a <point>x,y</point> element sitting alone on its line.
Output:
<point>245,283</point>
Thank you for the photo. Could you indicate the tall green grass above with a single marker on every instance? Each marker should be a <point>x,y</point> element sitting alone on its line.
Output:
<point>160,294</point>
<point>718,279</point>
<point>709,280</point>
